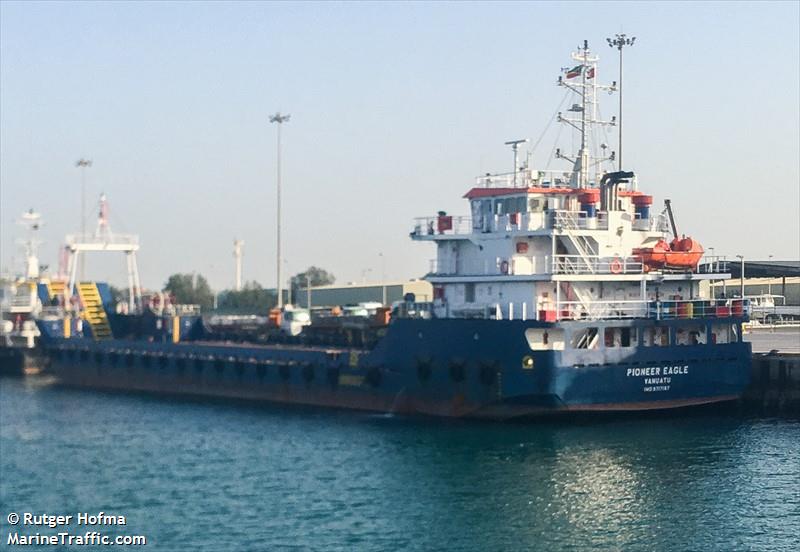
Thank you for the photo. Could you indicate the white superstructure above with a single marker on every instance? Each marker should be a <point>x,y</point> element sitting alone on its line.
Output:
<point>559,245</point>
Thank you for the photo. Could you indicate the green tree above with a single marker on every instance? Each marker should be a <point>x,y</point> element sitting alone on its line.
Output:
<point>192,289</point>
<point>312,275</point>
<point>252,298</point>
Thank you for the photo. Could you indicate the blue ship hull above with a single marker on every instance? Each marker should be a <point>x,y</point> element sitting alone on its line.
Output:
<point>447,367</point>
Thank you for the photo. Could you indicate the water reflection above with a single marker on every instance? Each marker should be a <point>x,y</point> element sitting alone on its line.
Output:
<point>276,477</point>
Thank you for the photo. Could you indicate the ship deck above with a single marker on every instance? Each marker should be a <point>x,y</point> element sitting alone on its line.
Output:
<point>272,346</point>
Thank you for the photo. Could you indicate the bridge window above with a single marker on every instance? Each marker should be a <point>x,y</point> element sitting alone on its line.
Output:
<point>469,293</point>
<point>656,337</point>
<point>620,337</point>
<point>690,335</point>
<point>509,205</point>
<point>545,339</point>
<point>723,333</point>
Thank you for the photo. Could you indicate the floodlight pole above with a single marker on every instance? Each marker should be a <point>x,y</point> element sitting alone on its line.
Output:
<point>769,282</point>
<point>619,42</point>
<point>741,275</point>
<point>383,278</point>
<point>280,119</point>
<point>82,164</point>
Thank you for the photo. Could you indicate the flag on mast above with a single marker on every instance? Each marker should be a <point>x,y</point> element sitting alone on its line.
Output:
<point>574,72</point>
<point>590,73</point>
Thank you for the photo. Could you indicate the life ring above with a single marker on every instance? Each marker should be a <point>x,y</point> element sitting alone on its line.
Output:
<point>504,267</point>
<point>616,266</point>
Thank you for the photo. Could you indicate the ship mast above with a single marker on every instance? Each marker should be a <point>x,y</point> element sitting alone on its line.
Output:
<point>32,221</point>
<point>586,90</point>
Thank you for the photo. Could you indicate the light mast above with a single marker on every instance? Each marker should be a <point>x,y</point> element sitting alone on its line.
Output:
<point>33,222</point>
<point>237,255</point>
<point>280,119</point>
<point>618,42</point>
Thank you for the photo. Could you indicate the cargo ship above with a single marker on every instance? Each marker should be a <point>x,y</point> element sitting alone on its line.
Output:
<point>560,291</point>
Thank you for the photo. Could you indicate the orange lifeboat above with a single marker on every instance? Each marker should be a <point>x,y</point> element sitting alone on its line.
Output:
<point>680,253</point>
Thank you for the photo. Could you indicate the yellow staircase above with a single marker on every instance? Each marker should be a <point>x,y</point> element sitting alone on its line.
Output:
<point>93,310</point>
<point>56,288</point>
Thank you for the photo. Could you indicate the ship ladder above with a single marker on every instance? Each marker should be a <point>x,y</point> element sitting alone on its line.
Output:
<point>56,288</point>
<point>93,310</point>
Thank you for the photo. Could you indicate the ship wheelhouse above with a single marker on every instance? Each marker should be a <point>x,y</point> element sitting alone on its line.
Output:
<point>548,251</point>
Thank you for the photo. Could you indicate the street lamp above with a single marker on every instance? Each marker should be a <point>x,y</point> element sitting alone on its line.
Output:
<point>741,275</point>
<point>769,280</point>
<point>83,164</point>
<point>308,293</point>
<point>288,282</point>
<point>618,42</point>
<point>383,278</point>
<point>280,119</point>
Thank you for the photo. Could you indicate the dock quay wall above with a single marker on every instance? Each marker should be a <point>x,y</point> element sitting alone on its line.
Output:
<point>775,383</point>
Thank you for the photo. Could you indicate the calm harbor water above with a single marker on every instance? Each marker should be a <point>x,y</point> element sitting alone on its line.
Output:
<point>223,476</point>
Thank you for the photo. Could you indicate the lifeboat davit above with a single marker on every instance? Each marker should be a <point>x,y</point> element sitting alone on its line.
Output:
<point>680,253</point>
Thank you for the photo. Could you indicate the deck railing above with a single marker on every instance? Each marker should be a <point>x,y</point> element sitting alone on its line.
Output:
<point>576,220</point>
<point>530,265</point>
<point>516,266</point>
<point>601,310</point>
<point>526,178</point>
<point>658,310</point>
<point>577,264</point>
<point>91,239</point>
<point>714,265</point>
<point>455,225</point>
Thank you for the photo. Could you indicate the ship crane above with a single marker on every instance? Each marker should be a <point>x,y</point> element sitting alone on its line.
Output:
<point>668,206</point>
<point>104,241</point>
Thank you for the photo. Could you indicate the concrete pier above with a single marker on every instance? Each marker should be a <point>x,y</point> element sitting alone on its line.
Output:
<point>775,383</point>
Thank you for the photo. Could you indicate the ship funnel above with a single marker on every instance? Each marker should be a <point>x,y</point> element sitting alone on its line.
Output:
<point>609,189</point>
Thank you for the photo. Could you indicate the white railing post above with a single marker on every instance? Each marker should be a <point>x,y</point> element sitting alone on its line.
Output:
<point>511,311</point>
<point>524,311</point>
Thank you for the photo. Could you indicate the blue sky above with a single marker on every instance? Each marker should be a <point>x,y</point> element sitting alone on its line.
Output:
<point>395,108</point>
